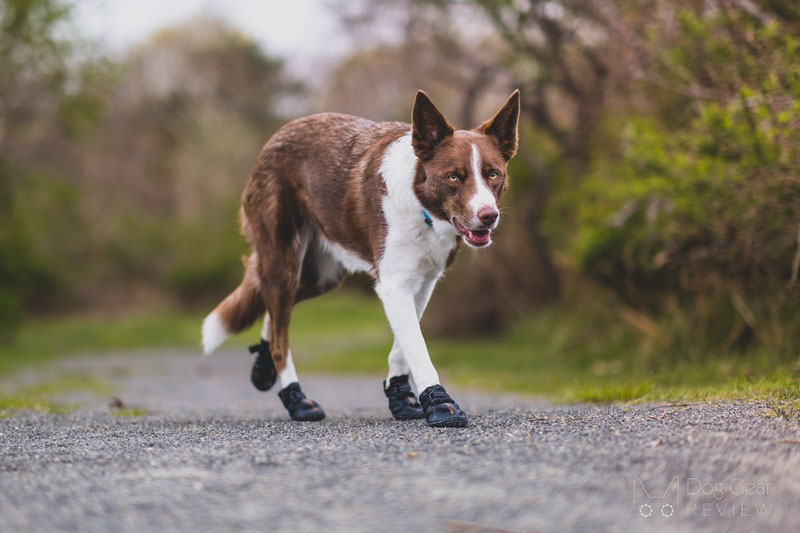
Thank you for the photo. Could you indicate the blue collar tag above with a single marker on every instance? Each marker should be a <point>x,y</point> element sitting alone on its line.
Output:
<point>428,219</point>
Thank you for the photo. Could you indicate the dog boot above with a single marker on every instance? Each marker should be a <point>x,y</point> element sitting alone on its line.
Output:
<point>402,402</point>
<point>440,409</point>
<point>300,408</point>
<point>263,374</point>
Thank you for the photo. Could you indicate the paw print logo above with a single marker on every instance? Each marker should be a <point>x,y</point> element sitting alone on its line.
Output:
<point>645,510</point>
<point>667,510</point>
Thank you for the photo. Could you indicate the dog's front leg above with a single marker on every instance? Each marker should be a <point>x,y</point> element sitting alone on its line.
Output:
<point>401,311</point>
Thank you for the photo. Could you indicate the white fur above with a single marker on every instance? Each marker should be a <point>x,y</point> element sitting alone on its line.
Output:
<point>403,210</point>
<point>397,170</point>
<point>398,303</point>
<point>342,256</point>
<point>397,362</point>
<point>329,269</point>
<point>483,196</point>
<point>413,260</point>
<point>288,375</point>
<point>305,240</point>
<point>214,333</point>
<point>265,328</point>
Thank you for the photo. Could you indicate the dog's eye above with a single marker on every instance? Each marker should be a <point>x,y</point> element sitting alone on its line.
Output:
<point>453,178</point>
<point>493,175</point>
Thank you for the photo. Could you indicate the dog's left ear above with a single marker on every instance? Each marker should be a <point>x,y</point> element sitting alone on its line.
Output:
<point>504,126</point>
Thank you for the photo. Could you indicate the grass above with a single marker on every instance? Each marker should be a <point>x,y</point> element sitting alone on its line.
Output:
<point>41,396</point>
<point>569,355</point>
<point>786,409</point>
<point>39,342</point>
<point>129,412</point>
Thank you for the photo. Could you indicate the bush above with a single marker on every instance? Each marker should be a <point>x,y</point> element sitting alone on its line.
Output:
<point>705,213</point>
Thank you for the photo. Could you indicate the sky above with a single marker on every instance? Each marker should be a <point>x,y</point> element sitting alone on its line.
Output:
<point>303,32</point>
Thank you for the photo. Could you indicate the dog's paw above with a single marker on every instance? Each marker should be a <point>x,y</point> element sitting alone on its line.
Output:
<point>402,401</point>
<point>263,375</point>
<point>300,408</point>
<point>440,409</point>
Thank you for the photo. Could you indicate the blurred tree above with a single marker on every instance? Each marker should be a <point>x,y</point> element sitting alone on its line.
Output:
<point>406,46</point>
<point>697,210</point>
<point>677,123</point>
<point>187,114</point>
<point>122,181</point>
<point>39,96</point>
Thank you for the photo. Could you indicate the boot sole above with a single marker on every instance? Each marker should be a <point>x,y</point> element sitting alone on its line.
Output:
<point>404,418</point>
<point>452,422</point>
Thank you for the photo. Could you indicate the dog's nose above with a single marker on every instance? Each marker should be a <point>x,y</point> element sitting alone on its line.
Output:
<point>487,215</point>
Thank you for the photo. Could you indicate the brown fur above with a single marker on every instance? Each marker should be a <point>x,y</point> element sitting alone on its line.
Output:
<point>319,176</point>
<point>302,182</point>
<point>441,196</point>
<point>244,305</point>
<point>443,152</point>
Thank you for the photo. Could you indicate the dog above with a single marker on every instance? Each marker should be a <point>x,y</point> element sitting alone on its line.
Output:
<point>333,194</point>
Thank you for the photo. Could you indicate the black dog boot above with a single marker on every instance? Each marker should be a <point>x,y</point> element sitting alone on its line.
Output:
<point>402,402</point>
<point>263,374</point>
<point>440,409</point>
<point>300,408</point>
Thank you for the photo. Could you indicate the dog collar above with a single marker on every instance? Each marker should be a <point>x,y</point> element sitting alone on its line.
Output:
<point>428,219</point>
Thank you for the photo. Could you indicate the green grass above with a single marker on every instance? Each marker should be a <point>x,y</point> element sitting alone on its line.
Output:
<point>786,409</point>
<point>42,396</point>
<point>40,341</point>
<point>566,354</point>
<point>343,323</point>
<point>129,412</point>
<point>9,404</point>
<point>563,354</point>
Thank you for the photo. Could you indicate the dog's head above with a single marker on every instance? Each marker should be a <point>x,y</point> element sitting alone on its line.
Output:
<point>462,173</point>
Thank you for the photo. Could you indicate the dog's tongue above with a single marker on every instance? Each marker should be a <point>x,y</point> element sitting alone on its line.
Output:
<point>478,238</point>
<point>474,237</point>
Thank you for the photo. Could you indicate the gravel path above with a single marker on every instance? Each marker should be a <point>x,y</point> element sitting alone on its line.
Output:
<point>215,455</point>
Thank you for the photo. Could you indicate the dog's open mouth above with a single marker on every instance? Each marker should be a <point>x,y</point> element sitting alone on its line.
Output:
<point>479,237</point>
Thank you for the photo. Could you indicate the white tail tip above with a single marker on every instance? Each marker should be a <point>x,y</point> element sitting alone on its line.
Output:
<point>214,333</point>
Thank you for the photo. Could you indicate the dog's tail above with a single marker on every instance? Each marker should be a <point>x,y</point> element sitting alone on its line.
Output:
<point>236,312</point>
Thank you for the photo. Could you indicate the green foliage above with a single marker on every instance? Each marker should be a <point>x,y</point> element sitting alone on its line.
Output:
<point>698,216</point>
<point>206,261</point>
<point>32,71</point>
<point>118,179</point>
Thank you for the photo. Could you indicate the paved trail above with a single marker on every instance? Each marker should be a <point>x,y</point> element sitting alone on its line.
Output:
<point>215,455</point>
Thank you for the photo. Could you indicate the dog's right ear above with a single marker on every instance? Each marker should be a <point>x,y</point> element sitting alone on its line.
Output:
<point>429,127</point>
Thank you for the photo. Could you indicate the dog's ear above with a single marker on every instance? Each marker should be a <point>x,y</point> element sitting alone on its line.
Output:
<point>429,127</point>
<point>504,126</point>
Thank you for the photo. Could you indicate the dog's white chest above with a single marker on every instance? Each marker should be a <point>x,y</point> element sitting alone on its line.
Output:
<point>413,250</point>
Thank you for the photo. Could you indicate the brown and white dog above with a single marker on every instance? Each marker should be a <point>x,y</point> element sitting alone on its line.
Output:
<point>333,194</point>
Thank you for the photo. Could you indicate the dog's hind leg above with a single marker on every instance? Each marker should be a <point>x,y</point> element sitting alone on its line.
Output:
<point>264,374</point>
<point>280,280</point>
